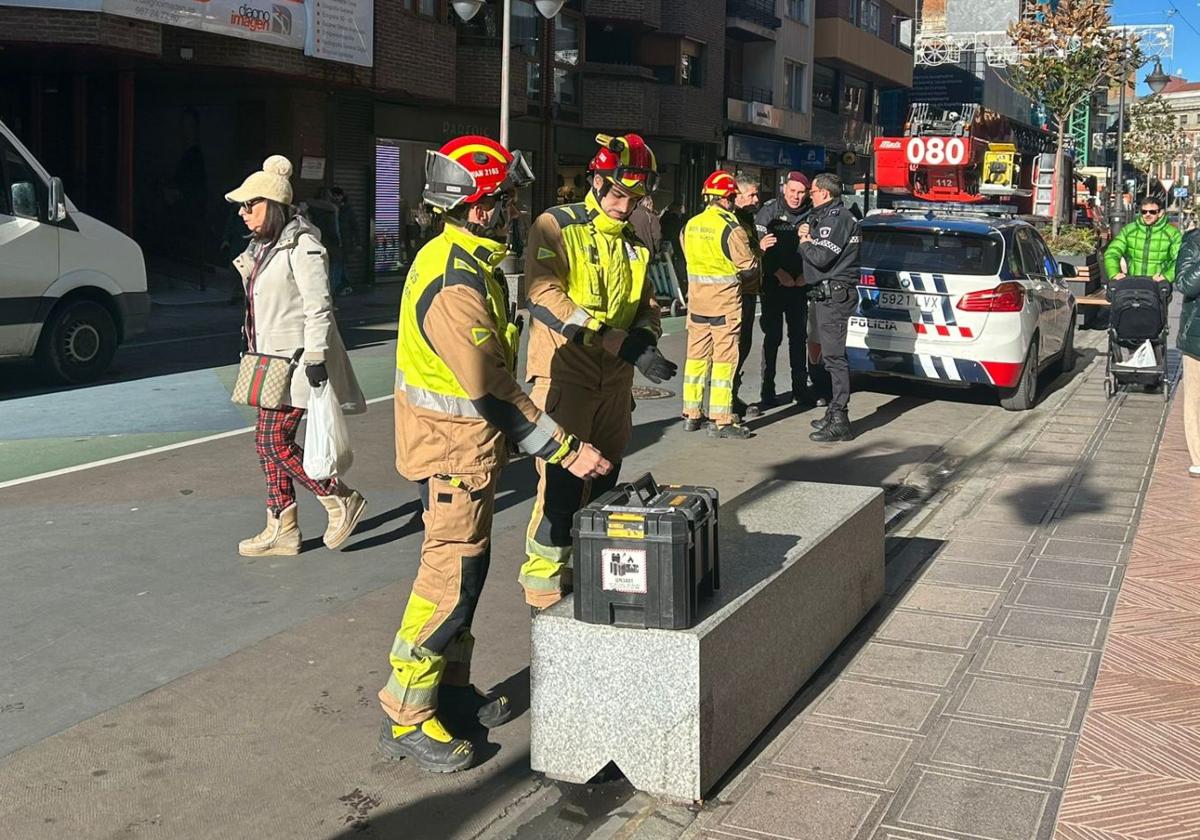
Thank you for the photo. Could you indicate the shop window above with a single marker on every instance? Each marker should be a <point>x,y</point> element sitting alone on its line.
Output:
<point>387,208</point>
<point>798,10</point>
<point>824,88</point>
<point>793,86</point>
<point>854,98</point>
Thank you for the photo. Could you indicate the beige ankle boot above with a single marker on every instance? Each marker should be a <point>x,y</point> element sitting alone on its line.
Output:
<point>345,508</point>
<point>280,537</point>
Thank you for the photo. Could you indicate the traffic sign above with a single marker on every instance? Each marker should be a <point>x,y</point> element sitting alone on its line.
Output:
<point>1181,192</point>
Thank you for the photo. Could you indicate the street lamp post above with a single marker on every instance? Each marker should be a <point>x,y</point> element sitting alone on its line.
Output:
<point>1156,80</point>
<point>467,9</point>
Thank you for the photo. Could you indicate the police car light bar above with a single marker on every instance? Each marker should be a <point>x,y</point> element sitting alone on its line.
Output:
<point>956,207</point>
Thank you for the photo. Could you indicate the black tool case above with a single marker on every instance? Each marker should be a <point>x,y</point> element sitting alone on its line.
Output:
<point>646,555</point>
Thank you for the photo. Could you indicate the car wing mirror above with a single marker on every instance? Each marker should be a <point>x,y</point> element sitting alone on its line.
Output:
<point>57,211</point>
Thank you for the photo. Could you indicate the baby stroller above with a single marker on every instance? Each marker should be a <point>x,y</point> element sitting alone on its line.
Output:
<point>1137,315</point>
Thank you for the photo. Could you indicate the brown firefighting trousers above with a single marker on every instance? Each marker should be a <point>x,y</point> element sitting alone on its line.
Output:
<point>434,641</point>
<point>604,418</point>
<point>714,326</point>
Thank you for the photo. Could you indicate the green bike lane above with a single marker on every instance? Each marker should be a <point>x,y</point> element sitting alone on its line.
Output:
<point>64,430</point>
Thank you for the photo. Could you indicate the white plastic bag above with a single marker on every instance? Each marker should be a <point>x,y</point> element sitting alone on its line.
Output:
<point>327,450</point>
<point>1143,357</point>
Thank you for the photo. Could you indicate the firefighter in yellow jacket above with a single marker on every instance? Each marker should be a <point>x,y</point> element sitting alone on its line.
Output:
<point>719,257</point>
<point>457,403</point>
<point>595,319</point>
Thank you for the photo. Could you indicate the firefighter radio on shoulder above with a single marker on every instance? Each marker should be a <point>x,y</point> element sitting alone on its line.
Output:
<point>646,555</point>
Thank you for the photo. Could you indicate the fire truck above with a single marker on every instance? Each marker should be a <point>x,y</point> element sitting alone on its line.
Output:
<point>965,154</point>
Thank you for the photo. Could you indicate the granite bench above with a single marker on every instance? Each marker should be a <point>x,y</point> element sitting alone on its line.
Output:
<point>801,565</point>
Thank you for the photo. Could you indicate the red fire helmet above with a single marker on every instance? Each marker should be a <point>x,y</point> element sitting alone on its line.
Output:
<point>721,184</point>
<point>628,161</point>
<point>469,168</point>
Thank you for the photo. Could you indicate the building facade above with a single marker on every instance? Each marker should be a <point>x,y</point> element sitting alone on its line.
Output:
<point>149,122</point>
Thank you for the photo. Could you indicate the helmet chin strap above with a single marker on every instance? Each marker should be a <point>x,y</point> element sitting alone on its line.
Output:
<point>491,229</point>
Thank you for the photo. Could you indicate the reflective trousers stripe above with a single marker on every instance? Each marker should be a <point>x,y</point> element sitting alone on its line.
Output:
<point>695,372</point>
<point>713,279</point>
<point>721,393</point>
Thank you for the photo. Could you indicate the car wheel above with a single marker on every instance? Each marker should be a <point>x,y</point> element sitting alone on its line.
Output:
<point>1023,396</point>
<point>1066,360</point>
<point>78,342</point>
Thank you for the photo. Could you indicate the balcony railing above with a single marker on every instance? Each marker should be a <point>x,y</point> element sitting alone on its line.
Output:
<point>748,93</point>
<point>761,12</point>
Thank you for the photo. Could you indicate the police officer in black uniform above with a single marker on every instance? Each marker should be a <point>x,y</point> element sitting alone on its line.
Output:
<point>829,244</point>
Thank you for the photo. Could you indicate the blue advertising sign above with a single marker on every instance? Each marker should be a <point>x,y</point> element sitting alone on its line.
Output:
<point>1181,192</point>
<point>763,151</point>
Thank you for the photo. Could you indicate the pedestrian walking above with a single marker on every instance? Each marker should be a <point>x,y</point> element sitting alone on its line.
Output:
<point>829,243</point>
<point>594,320</point>
<point>1187,280</point>
<point>1148,246</point>
<point>347,242</point>
<point>285,272</point>
<point>647,227</point>
<point>457,405</point>
<point>783,297</point>
<point>746,205</point>
<point>719,257</point>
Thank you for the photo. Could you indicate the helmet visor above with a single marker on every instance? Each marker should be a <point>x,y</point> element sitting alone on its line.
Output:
<point>520,173</point>
<point>638,180</point>
<point>447,182</point>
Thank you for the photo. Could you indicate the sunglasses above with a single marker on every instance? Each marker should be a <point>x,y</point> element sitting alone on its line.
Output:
<point>248,206</point>
<point>1151,212</point>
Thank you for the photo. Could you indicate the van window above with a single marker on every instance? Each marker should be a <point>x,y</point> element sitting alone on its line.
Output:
<point>945,252</point>
<point>25,194</point>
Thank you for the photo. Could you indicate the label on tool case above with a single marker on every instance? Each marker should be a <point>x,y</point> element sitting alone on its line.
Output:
<point>623,570</point>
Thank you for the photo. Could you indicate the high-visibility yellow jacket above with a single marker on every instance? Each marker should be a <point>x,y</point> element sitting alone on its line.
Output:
<point>456,396</point>
<point>586,274</point>
<point>719,255</point>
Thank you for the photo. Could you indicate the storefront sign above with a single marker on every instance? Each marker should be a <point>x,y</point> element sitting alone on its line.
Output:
<point>342,30</point>
<point>334,30</point>
<point>312,168</point>
<point>762,151</point>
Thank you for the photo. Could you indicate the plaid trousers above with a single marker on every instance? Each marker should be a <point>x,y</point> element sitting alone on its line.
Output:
<point>282,459</point>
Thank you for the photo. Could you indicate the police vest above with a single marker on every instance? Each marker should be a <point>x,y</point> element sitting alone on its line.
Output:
<point>607,277</point>
<point>706,246</point>
<point>426,380</point>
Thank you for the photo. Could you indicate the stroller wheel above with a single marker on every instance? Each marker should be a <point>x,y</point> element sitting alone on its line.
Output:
<point>1166,391</point>
<point>1108,389</point>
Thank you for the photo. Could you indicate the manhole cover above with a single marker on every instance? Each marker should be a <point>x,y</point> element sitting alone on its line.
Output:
<point>641,392</point>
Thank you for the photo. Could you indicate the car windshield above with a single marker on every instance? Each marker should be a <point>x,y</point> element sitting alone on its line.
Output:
<point>946,252</point>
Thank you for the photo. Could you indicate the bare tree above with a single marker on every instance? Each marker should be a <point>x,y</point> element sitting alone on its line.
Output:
<point>1067,53</point>
<point>1153,136</point>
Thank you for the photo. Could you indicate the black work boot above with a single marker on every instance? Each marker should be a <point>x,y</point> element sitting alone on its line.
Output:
<point>428,743</point>
<point>739,407</point>
<point>730,430</point>
<point>821,422</point>
<point>692,424</point>
<point>803,397</point>
<point>464,705</point>
<point>838,428</point>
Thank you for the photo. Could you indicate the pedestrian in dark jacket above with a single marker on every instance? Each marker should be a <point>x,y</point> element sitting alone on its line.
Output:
<point>647,227</point>
<point>783,296</point>
<point>1187,281</point>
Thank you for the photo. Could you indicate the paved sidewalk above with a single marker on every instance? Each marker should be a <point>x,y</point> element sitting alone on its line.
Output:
<point>1136,774</point>
<point>955,711</point>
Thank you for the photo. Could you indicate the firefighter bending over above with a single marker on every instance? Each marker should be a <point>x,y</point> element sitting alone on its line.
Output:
<point>456,404</point>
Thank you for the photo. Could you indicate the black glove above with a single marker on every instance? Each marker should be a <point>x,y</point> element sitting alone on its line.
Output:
<point>316,374</point>
<point>639,350</point>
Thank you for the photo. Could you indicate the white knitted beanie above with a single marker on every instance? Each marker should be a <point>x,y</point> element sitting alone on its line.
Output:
<point>272,182</point>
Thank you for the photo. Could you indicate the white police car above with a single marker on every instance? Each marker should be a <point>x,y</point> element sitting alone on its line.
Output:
<point>961,300</point>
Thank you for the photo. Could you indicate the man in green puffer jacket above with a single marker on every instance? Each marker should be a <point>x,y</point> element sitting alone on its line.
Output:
<point>1189,343</point>
<point>1149,245</point>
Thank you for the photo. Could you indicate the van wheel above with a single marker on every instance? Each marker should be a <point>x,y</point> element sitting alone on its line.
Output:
<point>78,342</point>
<point>1023,396</point>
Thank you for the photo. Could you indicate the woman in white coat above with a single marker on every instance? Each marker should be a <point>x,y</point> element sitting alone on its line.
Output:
<point>285,271</point>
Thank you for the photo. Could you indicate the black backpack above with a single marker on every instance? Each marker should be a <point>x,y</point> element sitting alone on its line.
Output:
<point>1139,308</point>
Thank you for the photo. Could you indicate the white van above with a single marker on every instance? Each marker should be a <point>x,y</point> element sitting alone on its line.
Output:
<point>71,287</point>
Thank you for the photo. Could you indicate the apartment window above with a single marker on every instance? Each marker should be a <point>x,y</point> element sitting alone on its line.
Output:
<point>691,64</point>
<point>1183,119</point>
<point>793,86</point>
<point>865,15</point>
<point>824,89</point>
<point>429,8</point>
<point>798,10</point>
